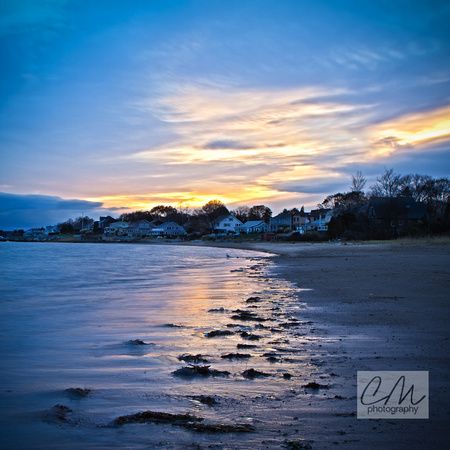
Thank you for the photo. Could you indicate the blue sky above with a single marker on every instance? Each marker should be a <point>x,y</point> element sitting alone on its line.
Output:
<point>111,106</point>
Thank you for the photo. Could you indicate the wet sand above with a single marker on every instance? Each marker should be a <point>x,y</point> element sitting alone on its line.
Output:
<point>376,307</point>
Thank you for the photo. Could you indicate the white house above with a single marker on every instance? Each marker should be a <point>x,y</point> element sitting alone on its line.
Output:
<point>227,224</point>
<point>254,226</point>
<point>168,229</point>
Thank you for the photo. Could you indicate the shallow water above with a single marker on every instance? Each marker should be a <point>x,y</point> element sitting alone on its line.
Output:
<point>70,312</point>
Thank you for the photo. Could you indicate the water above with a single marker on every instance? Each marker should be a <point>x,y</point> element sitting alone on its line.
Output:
<point>70,312</point>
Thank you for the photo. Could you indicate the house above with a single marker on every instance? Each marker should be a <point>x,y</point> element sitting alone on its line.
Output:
<point>281,223</point>
<point>35,232</point>
<point>168,229</point>
<point>395,214</point>
<point>254,226</point>
<point>141,228</point>
<point>119,228</point>
<point>319,219</point>
<point>227,224</point>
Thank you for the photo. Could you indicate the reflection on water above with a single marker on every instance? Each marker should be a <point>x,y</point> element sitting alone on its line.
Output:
<point>115,318</point>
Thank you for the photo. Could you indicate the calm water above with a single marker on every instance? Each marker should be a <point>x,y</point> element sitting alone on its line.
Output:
<point>68,313</point>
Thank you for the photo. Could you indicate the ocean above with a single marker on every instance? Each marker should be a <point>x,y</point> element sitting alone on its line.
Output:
<point>92,332</point>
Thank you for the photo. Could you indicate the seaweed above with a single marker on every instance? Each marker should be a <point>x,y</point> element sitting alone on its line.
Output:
<point>236,356</point>
<point>314,385</point>
<point>216,333</point>
<point>205,399</point>
<point>156,417</point>
<point>250,337</point>
<point>252,373</point>
<point>220,428</point>
<point>57,413</point>
<point>193,370</point>
<point>297,445</point>
<point>136,342</point>
<point>242,346</point>
<point>186,357</point>
<point>78,392</point>
<point>245,315</point>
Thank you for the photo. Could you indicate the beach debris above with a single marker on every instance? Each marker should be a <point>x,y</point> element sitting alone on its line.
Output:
<point>242,346</point>
<point>272,359</point>
<point>57,414</point>
<point>205,399</point>
<point>220,428</point>
<point>216,333</point>
<point>297,444</point>
<point>246,315</point>
<point>157,417</point>
<point>250,337</point>
<point>252,373</point>
<point>192,370</point>
<point>236,356</point>
<point>78,392</point>
<point>253,300</point>
<point>136,342</point>
<point>183,420</point>
<point>186,357</point>
<point>315,385</point>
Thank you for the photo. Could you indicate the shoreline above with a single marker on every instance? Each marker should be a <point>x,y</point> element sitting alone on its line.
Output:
<point>371,307</point>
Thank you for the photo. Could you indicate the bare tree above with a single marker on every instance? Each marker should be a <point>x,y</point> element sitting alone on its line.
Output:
<point>358,182</point>
<point>387,185</point>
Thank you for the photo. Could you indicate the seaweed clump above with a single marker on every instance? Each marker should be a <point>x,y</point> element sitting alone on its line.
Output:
<point>192,370</point>
<point>216,333</point>
<point>252,373</point>
<point>220,428</point>
<point>314,385</point>
<point>157,417</point>
<point>78,392</point>
<point>236,356</point>
<point>186,357</point>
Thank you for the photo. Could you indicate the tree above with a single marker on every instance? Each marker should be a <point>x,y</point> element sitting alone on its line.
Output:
<point>387,185</point>
<point>163,212</point>
<point>135,216</point>
<point>241,213</point>
<point>358,182</point>
<point>260,212</point>
<point>213,209</point>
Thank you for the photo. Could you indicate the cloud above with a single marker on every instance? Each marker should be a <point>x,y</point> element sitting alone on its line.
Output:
<point>26,211</point>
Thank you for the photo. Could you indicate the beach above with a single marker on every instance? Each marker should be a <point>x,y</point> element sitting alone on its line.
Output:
<point>389,306</point>
<point>318,313</point>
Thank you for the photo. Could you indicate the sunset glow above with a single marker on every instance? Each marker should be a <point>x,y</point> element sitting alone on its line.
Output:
<point>168,103</point>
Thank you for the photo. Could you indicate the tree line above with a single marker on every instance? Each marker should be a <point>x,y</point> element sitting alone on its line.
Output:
<point>349,208</point>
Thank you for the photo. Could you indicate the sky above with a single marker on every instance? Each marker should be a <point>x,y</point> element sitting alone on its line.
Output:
<point>111,106</point>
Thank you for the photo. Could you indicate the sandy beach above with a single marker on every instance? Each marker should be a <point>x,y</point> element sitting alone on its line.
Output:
<point>377,307</point>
